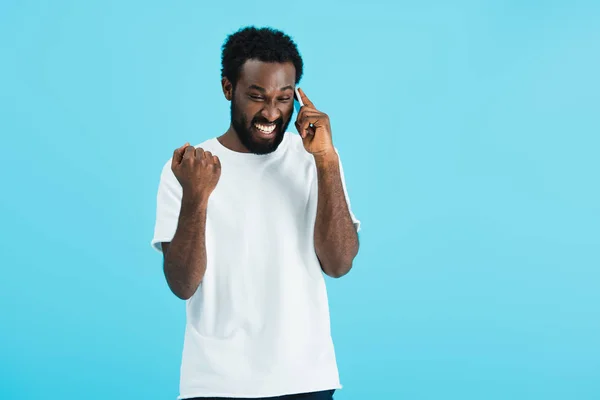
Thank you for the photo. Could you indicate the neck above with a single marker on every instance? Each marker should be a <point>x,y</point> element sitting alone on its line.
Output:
<point>231,140</point>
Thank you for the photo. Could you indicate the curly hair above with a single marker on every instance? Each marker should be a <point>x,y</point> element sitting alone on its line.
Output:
<point>264,44</point>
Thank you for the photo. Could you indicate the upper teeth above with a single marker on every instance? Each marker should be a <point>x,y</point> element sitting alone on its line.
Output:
<point>265,128</point>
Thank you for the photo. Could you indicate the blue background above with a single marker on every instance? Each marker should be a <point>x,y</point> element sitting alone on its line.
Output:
<point>469,134</point>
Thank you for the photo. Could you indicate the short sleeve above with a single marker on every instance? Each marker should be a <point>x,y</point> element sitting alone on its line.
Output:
<point>168,205</point>
<point>355,221</point>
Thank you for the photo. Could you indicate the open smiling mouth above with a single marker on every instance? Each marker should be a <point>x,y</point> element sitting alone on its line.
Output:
<point>265,131</point>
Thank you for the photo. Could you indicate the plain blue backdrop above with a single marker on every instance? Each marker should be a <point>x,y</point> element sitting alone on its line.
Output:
<point>469,133</point>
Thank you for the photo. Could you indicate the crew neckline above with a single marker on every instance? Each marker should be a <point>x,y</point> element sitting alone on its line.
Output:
<point>251,157</point>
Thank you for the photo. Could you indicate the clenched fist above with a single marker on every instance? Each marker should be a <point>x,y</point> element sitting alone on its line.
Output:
<point>197,171</point>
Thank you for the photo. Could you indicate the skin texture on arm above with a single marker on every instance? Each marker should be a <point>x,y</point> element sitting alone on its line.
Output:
<point>185,255</point>
<point>198,172</point>
<point>336,239</point>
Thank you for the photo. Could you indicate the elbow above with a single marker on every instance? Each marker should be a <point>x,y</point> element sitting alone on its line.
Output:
<point>185,289</point>
<point>336,274</point>
<point>183,295</point>
<point>336,265</point>
<point>180,286</point>
<point>337,270</point>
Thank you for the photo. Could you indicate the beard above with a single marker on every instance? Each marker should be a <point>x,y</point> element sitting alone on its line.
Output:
<point>248,137</point>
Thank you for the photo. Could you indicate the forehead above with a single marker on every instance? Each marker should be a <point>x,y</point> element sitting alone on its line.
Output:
<point>269,75</point>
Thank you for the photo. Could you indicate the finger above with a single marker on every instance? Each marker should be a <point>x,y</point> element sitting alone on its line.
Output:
<point>300,122</point>
<point>314,118</point>
<point>307,122</point>
<point>178,155</point>
<point>306,112</point>
<point>217,162</point>
<point>299,129</point>
<point>208,156</point>
<point>309,125</point>
<point>189,152</point>
<point>305,99</point>
<point>199,153</point>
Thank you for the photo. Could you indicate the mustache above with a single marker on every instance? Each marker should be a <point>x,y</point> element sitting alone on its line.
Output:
<point>278,121</point>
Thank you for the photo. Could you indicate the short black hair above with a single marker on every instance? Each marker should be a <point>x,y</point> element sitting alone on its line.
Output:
<point>263,44</point>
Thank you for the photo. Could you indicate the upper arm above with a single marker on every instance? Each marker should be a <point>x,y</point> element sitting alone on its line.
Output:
<point>168,205</point>
<point>165,248</point>
<point>355,221</point>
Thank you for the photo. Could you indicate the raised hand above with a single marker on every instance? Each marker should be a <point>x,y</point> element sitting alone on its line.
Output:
<point>197,171</point>
<point>314,128</point>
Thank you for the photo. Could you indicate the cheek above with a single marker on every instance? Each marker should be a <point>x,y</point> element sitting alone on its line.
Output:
<point>287,110</point>
<point>250,110</point>
<point>245,112</point>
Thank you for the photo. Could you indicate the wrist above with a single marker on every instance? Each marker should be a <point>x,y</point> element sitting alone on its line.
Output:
<point>326,158</point>
<point>197,200</point>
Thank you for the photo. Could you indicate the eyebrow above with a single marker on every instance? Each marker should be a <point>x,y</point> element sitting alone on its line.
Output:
<point>262,90</point>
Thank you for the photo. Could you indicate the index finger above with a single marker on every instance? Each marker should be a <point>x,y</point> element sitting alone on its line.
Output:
<point>305,99</point>
<point>178,154</point>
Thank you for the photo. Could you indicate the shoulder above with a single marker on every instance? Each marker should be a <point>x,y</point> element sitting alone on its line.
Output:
<point>209,145</point>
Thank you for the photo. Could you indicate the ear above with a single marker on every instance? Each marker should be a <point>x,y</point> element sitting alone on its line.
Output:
<point>227,88</point>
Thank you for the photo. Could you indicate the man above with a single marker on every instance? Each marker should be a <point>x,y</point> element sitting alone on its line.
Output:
<point>248,222</point>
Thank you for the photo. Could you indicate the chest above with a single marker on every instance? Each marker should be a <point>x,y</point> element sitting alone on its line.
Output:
<point>265,201</point>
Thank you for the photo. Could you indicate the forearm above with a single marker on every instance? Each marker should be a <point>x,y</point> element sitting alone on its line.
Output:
<point>336,240</point>
<point>185,261</point>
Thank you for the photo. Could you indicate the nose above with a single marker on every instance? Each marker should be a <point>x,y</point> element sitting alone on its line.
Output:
<point>270,112</point>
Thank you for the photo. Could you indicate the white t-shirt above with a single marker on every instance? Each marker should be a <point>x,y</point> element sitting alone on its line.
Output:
<point>258,324</point>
